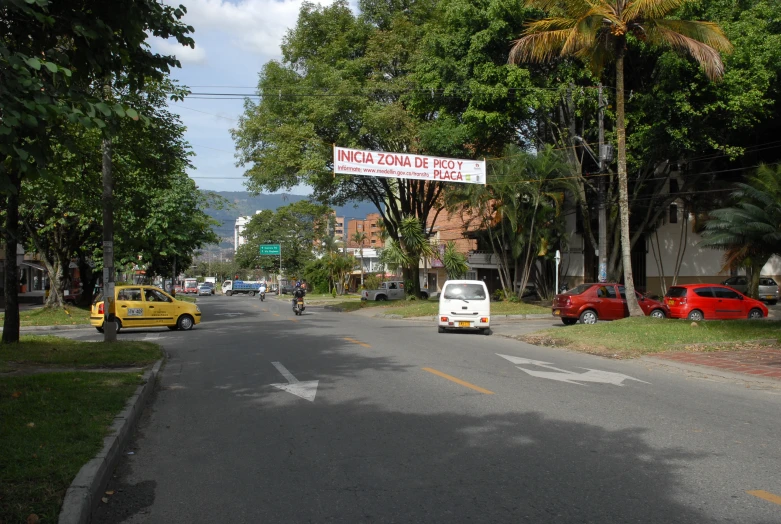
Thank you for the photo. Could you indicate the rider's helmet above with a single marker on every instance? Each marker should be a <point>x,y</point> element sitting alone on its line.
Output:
<point>298,285</point>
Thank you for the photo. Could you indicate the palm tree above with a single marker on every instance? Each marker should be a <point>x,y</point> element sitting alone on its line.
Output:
<point>750,231</point>
<point>407,252</point>
<point>359,237</point>
<point>596,31</point>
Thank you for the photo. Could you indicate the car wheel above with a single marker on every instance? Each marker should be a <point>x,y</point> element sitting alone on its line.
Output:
<point>755,313</point>
<point>657,313</point>
<point>229,293</point>
<point>251,293</point>
<point>185,322</point>
<point>486,331</point>
<point>589,316</point>
<point>696,315</point>
<point>424,296</point>
<point>440,329</point>
<point>569,321</point>
<point>381,298</point>
<point>117,321</point>
<point>173,328</point>
<point>100,329</point>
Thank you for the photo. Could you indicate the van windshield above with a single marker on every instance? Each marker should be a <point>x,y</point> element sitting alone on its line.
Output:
<point>464,292</point>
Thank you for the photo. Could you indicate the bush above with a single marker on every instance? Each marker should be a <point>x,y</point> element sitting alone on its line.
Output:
<point>498,295</point>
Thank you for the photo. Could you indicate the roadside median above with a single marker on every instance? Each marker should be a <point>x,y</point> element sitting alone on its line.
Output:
<point>634,337</point>
<point>65,405</point>
<point>430,308</point>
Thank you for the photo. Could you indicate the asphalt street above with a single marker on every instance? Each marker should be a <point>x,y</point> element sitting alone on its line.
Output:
<point>407,425</point>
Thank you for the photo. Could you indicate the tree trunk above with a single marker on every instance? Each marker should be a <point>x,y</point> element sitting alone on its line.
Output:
<point>11,237</point>
<point>88,280</point>
<point>756,270</point>
<point>623,191</point>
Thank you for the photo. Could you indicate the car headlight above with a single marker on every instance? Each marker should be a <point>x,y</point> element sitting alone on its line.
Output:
<point>197,309</point>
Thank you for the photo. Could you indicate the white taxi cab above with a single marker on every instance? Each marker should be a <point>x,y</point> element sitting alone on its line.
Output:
<point>146,306</point>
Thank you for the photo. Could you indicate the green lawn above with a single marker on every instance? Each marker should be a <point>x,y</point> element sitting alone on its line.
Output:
<point>51,351</point>
<point>632,337</point>
<point>69,315</point>
<point>426,308</point>
<point>52,424</point>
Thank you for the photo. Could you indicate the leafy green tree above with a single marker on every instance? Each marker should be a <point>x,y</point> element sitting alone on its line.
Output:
<point>296,227</point>
<point>749,231</point>
<point>407,252</point>
<point>598,32</point>
<point>454,262</point>
<point>51,54</point>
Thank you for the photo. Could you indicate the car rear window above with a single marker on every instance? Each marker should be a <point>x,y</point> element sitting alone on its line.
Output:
<point>464,292</point>
<point>676,292</point>
<point>579,290</point>
<point>767,282</point>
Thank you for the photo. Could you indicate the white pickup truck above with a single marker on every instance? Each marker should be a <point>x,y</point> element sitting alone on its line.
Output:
<point>391,290</point>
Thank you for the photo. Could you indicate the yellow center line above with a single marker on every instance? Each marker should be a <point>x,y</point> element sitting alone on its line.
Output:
<point>276,314</point>
<point>348,339</point>
<point>264,310</point>
<point>293,319</point>
<point>458,381</point>
<point>766,495</point>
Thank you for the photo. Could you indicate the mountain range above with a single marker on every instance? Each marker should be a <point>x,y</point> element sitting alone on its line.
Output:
<point>243,203</point>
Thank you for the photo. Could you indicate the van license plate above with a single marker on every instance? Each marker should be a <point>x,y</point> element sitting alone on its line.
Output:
<point>463,324</point>
<point>769,297</point>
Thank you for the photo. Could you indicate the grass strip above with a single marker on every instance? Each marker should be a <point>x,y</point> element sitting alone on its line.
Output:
<point>51,351</point>
<point>45,316</point>
<point>633,337</point>
<point>52,424</point>
<point>426,308</point>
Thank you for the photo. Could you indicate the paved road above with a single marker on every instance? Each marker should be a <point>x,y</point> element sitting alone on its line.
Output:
<point>408,425</point>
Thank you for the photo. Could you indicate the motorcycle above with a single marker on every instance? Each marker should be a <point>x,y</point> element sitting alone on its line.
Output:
<point>262,296</point>
<point>298,306</point>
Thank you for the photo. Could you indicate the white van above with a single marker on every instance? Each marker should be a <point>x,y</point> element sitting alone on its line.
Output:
<point>465,304</point>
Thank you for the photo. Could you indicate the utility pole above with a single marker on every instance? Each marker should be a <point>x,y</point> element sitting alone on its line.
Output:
<point>109,305</point>
<point>602,249</point>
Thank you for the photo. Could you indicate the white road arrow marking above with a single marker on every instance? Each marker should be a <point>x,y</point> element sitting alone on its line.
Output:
<point>570,377</point>
<point>306,390</point>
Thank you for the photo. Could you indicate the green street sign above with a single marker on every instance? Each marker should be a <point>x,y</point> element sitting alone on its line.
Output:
<point>270,249</point>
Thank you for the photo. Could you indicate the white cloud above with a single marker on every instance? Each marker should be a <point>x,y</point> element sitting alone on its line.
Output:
<point>256,26</point>
<point>186,55</point>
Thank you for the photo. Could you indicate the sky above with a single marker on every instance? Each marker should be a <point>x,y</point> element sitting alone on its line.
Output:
<point>233,40</point>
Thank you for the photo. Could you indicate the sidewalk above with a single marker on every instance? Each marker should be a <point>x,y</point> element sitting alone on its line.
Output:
<point>759,361</point>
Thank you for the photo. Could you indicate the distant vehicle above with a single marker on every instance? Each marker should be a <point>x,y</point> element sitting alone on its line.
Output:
<point>390,290</point>
<point>287,288</point>
<point>711,302</point>
<point>190,285</point>
<point>210,285</point>
<point>768,288</point>
<point>146,306</point>
<point>588,303</point>
<point>236,287</point>
<point>204,289</point>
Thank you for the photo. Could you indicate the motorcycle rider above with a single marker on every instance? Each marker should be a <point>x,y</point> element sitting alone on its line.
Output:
<point>262,290</point>
<point>298,293</point>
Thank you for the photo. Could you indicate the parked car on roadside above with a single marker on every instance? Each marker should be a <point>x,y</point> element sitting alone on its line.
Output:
<point>146,306</point>
<point>711,302</point>
<point>768,288</point>
<point>588,303</point>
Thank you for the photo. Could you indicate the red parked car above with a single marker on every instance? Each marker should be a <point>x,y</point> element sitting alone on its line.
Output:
<point>588,303</point>
<point>712,302</point>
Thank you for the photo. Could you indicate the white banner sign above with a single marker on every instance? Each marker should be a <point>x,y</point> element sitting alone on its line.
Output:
<point>403,165</point>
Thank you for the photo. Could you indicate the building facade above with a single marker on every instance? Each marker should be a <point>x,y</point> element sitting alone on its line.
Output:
<point>370,226</point>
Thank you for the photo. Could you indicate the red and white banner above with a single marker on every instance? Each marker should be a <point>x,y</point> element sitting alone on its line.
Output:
<point>403,165</point>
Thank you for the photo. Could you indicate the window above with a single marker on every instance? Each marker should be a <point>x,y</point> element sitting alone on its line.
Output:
<point>673,186</point>
<point>464,292</point>
<point>723,292</point>
<point>706,292</point>
<point>622,292</point>
<point>579,290</point>
<point>129,294</point>
<point>606,292</point>
<point>374,241</point>
<point>673,213</point>
<point>676,292</point>
<point>152,295</point>
<point>767,282</point>
<point>392,285</point>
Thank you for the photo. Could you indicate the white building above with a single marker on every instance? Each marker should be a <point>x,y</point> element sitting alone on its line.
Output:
<point>238,231</point>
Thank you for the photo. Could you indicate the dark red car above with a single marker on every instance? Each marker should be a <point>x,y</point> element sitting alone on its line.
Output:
<point>588,303</point>
<point>711,302</point>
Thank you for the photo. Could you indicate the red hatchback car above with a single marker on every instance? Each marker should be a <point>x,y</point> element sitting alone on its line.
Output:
<point>712,302</point>
<point>588,303</point>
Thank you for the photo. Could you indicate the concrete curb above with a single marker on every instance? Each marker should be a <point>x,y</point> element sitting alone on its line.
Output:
<point>86,489</point>
<point>708,370</point>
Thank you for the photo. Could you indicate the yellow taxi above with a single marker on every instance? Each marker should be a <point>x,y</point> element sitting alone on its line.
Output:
<point>146,306</point>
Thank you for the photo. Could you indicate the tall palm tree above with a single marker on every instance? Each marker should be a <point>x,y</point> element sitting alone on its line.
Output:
<point>596,31</point>
<point>359,237</point>
<point>750,231</point>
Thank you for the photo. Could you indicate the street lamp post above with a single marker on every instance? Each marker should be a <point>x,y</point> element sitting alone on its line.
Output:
<point>558,260</point>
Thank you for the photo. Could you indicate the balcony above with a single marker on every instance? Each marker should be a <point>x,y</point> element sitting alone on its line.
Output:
<point>482,258</point>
